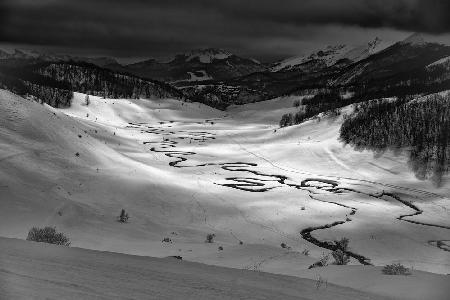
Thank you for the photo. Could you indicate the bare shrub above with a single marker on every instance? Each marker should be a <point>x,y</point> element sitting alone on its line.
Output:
<point>396,269</point>
<point>210,238</point>
<point>320,281</point>
<point>48,235</point>
<point>340,255</point>
<point>322,262</point>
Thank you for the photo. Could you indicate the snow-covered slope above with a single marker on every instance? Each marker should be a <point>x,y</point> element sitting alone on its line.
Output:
<point>41,271</point>
<point>441,62</point>
<point>332,54</point>
<point>183,170</point>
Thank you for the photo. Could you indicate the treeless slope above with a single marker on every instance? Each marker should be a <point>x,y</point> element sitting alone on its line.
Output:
<point>31,270</point>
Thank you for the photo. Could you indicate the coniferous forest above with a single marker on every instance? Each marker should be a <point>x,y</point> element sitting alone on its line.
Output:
<point>420,126</point>
<point>90,79</point>
<point>54,82</point>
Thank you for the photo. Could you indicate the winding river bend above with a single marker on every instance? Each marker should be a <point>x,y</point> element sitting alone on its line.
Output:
<point>258,182</point>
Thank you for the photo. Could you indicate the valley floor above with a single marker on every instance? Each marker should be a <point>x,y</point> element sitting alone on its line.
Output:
<point>183,170</point>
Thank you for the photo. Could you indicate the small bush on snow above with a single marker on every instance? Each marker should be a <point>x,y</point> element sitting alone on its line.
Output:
<point>396,269</point>
<point>123,217</point>
<point>210,238</point>
<point>340,255</point>
<point>48,235</point>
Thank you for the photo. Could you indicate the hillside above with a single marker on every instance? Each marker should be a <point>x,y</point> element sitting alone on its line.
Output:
<point>331,55</point>
<point>183,170</point>
<point>53,82</point>
<point>219,78</point>
<point>140,167</point>
<point>74,273</point>
<point>366,72</point>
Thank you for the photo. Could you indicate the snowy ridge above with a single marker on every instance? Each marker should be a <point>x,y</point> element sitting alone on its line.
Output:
<point>207,56</point>
<point>420,39</point>
<point>442,61</point>
<point>332,54</point>
<point>415,39</point>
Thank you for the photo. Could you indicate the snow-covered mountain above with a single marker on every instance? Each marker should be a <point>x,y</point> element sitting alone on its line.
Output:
<point>415,39</point>
<point>207,56</point>
<point>25,54</point>
<point>18,54</point>
<point>331,55</point>
<point>401,62</point>
<point>440,62</point>
<point>197,65</point>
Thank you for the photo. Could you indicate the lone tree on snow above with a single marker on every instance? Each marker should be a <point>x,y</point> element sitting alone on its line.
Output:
<point>210,238</point>
<point>340,254</point>
<point>87,101</point>
<point>123,218</point>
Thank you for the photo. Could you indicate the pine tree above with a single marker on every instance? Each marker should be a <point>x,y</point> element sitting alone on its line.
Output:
<point>123,217</point>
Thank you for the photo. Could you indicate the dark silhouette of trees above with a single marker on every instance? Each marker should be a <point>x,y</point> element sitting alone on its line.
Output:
<point>286,120</point>
<point>44,89</point>
<point>54,82</point>
<point>48,235</point>
<point>421,125</point>
<point>93,80</point>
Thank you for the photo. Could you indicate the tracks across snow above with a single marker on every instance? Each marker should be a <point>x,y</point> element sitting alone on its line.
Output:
<point>258,181</point>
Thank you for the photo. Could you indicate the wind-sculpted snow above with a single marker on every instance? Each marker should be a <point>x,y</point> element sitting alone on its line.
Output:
<point>255,181</point>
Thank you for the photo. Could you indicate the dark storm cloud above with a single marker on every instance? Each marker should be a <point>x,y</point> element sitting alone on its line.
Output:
<point>139,27</point>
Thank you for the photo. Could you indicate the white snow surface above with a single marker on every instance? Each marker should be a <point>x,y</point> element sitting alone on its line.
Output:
<point>44,182</point>
<point>40,271</point>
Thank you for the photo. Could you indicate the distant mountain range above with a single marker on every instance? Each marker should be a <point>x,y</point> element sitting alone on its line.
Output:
<point>220,78</point>
<point>337,55</point>
<point>197,65</point>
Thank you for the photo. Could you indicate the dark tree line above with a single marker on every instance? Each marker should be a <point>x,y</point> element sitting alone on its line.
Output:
<point>329,101</point>
<point>54,82</point>
<point>220,96</point>
<point>52,96</point>
<point>421,125</point>
<point>88,78</point>
<point>45,90</point>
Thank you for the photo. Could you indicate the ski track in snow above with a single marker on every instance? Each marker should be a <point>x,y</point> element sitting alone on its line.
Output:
<point>259,184</point>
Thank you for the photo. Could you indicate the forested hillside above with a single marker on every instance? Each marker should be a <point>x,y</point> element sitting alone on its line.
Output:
<point>41,88</point>
<point>420,126</point>
<point>88,78</point>
<point>54,82</point>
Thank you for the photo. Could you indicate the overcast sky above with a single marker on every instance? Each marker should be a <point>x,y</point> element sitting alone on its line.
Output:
<point>264,29</point>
